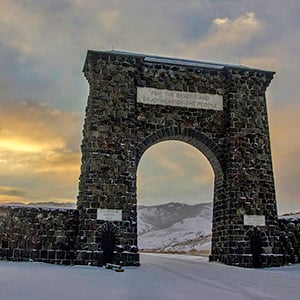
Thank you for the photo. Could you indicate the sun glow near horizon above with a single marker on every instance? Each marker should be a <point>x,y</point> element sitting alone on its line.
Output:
<point>174,171</point>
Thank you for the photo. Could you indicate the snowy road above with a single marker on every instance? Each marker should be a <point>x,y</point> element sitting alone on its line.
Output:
<point>225,282</point>
<point>159,277</point>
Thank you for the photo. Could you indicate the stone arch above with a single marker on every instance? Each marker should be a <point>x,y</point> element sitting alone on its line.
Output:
<point>198,139</point>
<point>109,235</point>
<point>256,239</point>
<point>4,241</point>
<point>108,227</point>
<point>256,232</point>
<point>136,101</point>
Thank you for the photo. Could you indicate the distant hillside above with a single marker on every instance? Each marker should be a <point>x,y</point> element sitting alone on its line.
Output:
<point>294,215</point>
<point>175,227</point>
<point>179,227</point>
<point>42,204</point>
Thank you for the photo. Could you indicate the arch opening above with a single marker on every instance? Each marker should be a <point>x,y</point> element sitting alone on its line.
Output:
<point>193,137</point>
<point>108,246</point>
<point>108,236</point>
<point>175,191</point>
<point>256,239</point>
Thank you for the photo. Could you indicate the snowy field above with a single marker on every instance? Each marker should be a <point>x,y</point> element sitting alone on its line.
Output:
<point>160,277</point>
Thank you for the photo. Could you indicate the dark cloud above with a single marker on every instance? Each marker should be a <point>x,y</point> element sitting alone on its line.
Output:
<point>42,50</point>
<point>12,191</point>
<point>46,41</point>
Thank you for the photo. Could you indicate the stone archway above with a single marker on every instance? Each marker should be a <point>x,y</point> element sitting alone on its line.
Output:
<point>138,100</point>
<point>207,147</point>
<point>257,239</point>
<point>108,235</point>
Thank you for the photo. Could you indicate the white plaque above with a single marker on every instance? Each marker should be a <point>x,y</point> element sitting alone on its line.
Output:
<point>3,213</point>
<point>104,214</point>
<point>255,220</point>
<point>176,98</point>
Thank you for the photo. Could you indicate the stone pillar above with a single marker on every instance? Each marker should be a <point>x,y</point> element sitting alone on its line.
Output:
<point>107,178</point>
<point>249,182</point>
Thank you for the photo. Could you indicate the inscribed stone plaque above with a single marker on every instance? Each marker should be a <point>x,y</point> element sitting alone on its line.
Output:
<point>3,213</point>
<point>177,98</point>
<point>109,214</point>
<point>254,220</point>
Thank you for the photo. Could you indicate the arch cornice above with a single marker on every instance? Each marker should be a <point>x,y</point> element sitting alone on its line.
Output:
<point>108,227</point>
<point>196,138</point>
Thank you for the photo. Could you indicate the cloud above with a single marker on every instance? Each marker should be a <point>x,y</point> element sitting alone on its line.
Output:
<point>227,38</point>
<point>174,171</point>
<point>234,32</point>
<point>162,157</point>
<point>39,145</point>
<point>109,19</point>
<point>42,50</point>
<point>39,37</point>
<point>39,125</point>
<point>285,127</point>
<point>12,191</point>
<point>13,194</point>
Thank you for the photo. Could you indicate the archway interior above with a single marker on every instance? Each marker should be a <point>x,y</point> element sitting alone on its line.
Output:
<point>108,245</point>
<point>175,183</point>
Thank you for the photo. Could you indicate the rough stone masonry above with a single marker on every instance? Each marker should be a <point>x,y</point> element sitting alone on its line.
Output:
<point>134,102</point>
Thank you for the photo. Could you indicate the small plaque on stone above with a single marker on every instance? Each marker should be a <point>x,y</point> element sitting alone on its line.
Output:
<point>105,214</point>
<point>254,220</point>
<point>3,213</point>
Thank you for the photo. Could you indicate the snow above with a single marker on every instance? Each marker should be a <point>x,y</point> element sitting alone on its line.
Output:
<point>291,216</point>
<point>175,227</point>
<point>159,277</point>
<point>176,236</point>
<point>45,206</point>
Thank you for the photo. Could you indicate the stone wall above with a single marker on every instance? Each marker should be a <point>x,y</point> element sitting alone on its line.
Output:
<point>39,234</point>
<point>290,239</point>
<point>50,235</point>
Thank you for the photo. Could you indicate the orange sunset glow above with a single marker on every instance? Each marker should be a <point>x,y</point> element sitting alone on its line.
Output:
<point>43,92</point>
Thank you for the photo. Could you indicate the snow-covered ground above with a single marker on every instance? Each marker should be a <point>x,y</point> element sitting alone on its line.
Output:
<point>159,277</point>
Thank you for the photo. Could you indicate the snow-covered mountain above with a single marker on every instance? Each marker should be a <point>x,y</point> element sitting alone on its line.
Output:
<point>175,227</point>
<point>63,205</point>
<point>290,216</point>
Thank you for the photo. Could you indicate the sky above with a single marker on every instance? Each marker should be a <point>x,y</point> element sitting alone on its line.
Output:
<point>43,93</point>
